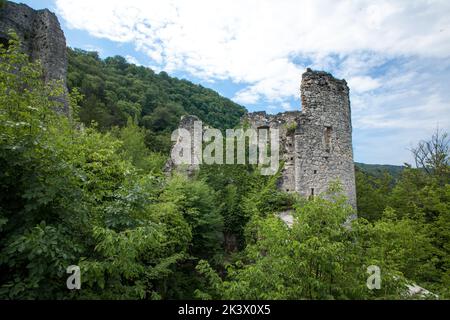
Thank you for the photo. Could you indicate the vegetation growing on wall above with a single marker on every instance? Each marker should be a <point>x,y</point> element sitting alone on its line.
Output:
<point>96,197</point>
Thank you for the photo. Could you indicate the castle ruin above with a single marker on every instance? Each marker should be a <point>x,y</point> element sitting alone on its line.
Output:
<point>315,143</point>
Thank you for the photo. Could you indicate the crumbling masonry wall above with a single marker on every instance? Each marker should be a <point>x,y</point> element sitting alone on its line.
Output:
<point>40,35</point>
<point>316,143</point>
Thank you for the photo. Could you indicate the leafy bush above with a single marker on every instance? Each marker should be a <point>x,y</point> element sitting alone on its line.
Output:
<point>291,128</point>
<point>97,198</point>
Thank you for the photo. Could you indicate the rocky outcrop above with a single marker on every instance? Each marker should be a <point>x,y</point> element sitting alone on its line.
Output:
<point>41,38</point>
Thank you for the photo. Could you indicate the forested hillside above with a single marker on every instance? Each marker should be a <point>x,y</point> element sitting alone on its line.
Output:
<point>95,196</point>
<point>115,90</point>
<point>378,169</point>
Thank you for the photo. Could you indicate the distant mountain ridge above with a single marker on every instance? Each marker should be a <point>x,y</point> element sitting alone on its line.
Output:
<point>379,169</point>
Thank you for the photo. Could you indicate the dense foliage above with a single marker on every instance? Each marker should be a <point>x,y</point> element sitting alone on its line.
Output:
<point>93,199</point>
<point>95,196</point>
<point>115,90</point>
<point>420,201</point>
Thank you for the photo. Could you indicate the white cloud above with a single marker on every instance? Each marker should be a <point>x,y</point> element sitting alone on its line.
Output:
<point>287,106</point>
<point>246,96</point>
<point>412,101</point>
<point>92,48</point>
<point>133,60</point>
<point>254,41</point>
<point>394,54</point>
<point>361,84</point>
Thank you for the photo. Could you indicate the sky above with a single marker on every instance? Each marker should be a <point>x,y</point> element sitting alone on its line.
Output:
<point>395,55</point>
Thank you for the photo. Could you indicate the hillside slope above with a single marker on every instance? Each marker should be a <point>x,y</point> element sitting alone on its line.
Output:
<point>377,170</point>
<point>115,90</point>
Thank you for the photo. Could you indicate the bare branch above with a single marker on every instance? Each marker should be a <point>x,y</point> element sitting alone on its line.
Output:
<point>433,155</point>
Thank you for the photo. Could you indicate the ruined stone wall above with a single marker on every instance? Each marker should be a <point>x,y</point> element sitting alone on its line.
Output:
<point>40,35</point>
<point>288,124</point>
<point>316,144</point>
<point>187,123</point>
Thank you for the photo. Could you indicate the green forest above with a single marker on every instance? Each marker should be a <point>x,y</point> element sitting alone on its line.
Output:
<point>114,91</point>
<point>89,190</point>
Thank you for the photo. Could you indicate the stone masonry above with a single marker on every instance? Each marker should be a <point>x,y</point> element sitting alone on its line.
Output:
<point>315,143</point>
<point>40,35</point>
<point>187,122</point>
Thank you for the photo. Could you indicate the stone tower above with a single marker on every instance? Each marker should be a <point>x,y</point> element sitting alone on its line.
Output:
<point>316,143</point>
<point>40,35</point>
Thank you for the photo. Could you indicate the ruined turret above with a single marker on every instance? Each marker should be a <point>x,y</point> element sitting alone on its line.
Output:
<point>316,143</point>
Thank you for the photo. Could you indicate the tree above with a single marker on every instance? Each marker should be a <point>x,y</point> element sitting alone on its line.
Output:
<point>39,189</point>
<point>135,149</point>
<point>197,203</point>
<point>73,196</point>
<point>433,155</point>
<point>115,89</point>
<point>372,194</point>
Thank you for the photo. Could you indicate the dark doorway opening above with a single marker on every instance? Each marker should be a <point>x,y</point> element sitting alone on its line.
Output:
<point>311,196</point>
<point>4,42</point>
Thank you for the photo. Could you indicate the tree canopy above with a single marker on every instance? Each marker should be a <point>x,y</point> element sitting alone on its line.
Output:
<point>114,90</point>
<point>95,196</point>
